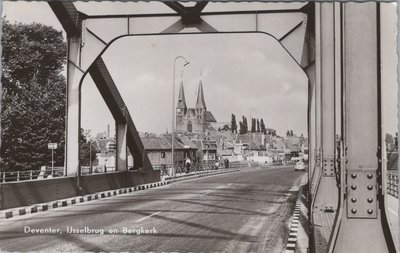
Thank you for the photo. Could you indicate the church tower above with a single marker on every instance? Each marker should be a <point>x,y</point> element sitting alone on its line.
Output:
<point>200,109</point>
<point>181,109</point>
<point>192,120</point>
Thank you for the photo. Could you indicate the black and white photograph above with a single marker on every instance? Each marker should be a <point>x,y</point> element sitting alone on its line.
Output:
<point>199,126</point>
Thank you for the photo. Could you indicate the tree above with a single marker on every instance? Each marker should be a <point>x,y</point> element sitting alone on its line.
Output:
<point>389,139</point>
<point>253,125</point>
<point>241,128</point>
<point>258,125</point>
<point>225,128</point>
<point>33,95</point>
<point>271,131</point>
<point>233,124</point>
<point>263,127</point>
<point>291,133</point>
<point>245,126</point>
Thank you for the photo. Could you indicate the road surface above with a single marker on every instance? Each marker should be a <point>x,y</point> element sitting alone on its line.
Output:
<point>245,211</point>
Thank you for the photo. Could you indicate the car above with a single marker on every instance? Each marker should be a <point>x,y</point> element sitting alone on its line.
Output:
<point>300,166</point>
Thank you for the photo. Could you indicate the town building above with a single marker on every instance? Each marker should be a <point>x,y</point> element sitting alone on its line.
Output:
<point>105,158</point>
<point>207,151</point>
<point>159,150</point>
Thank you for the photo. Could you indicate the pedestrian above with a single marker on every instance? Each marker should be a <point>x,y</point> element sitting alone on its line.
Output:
<point>187,163</point>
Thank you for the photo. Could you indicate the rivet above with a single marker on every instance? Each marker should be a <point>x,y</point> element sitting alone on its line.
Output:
<point>370,200</point>
<point>354,175</point>
<point>370,211</point>
<point>354,200</point>
<point>369,176</point>
<point>354,210</point>
<point>370,187</point>
<point>353,187</point>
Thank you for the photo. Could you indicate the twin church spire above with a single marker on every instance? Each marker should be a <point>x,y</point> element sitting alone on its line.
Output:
<point>200,102</point>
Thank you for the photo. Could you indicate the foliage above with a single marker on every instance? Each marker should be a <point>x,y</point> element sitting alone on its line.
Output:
<point>226,128</point>
<point>289,133</point>
<point>253,125</point>
<point>271,131</point>
<point>241,128</point>
<point>233,124</point>
<point>262,126</point>
<point>33,95</point>
<point>245,126</point>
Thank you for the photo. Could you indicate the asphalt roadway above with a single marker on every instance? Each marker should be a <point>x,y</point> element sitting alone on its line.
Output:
<point>245,211</point>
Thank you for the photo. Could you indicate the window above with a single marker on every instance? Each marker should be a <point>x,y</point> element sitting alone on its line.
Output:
<point>162,154</point>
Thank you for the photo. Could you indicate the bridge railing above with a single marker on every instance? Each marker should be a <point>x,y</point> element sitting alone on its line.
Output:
<point>165,169</point>
<point>47,173</point>
<point>12,176</point>
<point>393,184</point>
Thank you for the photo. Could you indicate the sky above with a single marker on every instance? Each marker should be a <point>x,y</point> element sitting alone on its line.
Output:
<point>247,75</point>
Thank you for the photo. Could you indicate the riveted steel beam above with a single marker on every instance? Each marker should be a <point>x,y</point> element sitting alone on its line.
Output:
<point>69,17</point>
<point>177,7</point>
<point>109,91</point>
<point>200,6</point>
<point>364,214</point>
<point>121,140</point>
<point>325,202</point>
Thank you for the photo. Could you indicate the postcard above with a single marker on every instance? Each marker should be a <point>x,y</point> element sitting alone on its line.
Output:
<point>204,126</point>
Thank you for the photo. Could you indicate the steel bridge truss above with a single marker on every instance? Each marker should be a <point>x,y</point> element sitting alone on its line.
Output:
<point>338,47</point>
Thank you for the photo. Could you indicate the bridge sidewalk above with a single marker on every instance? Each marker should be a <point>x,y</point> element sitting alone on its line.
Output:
<point>393,217</point>
<point>298,241</point>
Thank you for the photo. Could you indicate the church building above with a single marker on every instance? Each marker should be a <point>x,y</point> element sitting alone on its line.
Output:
<point>192,120</point>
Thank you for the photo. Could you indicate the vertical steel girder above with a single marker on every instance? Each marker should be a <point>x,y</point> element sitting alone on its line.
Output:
<point>325,203</point>
<point>68,16</point>
<point>363,225</point>
<point>121,141</point>
<point>347,63</point>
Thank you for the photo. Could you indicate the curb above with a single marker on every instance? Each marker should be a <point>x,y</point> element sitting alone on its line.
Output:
<point>294,227</point>
<point>20,211</point>
<point>204,174</point>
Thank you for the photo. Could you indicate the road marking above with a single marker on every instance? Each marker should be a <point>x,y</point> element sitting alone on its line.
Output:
<point>294,189</point>
<point>147,217</point>
<point>230,184</point>
<point>204,194</point>
<point>393,212</point>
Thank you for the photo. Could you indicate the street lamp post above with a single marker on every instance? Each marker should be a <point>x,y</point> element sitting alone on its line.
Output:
<point>173,113</point>
<point>90,156</point>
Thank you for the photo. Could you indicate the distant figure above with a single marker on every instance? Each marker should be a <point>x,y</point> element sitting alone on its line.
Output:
<point>164,170</point>
<point>187,164</point>
<point>226,163</point>
<point>216,164</point>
